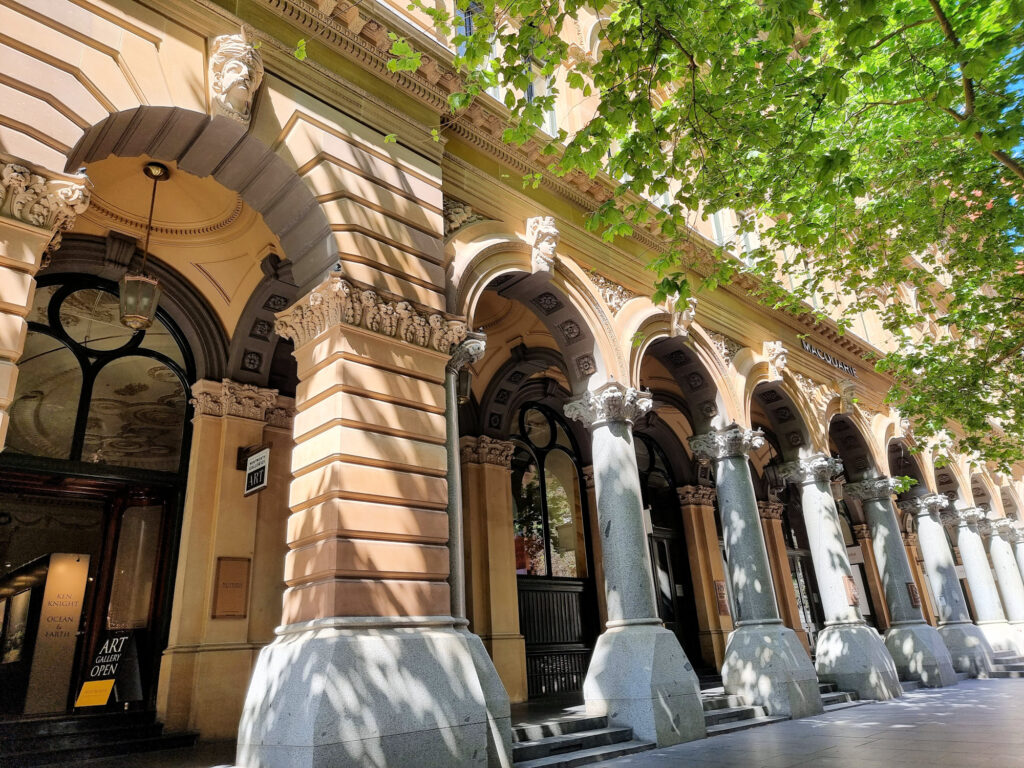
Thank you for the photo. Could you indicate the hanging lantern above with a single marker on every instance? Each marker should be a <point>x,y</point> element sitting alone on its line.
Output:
<point>140,294</point>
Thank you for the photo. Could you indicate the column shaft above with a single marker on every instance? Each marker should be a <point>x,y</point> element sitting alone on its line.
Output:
<point>1008,577</point>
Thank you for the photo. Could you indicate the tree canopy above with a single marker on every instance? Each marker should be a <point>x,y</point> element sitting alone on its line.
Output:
<point>874,145</point>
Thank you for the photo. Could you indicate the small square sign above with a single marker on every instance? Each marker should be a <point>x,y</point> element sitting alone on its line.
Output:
<point>256,471</point>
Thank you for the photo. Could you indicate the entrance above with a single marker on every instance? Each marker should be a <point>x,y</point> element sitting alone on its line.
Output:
<point>83,568</point>
<point>812,616</point>
<point>91,488</point>
<point>557,598</point>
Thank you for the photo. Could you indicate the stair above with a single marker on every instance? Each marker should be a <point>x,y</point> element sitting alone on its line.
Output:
<point>910,685</point>
<point>567,742</point>
<point>1007,664</point>
<point>833,699</point>
<point>68,739</point>
<point>727,713</point>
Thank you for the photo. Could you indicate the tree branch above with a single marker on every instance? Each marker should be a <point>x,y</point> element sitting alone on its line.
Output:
<point>950,33</point>
<point>900,31</point>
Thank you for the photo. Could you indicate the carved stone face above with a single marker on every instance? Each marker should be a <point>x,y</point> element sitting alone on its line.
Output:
<point>236,71</point>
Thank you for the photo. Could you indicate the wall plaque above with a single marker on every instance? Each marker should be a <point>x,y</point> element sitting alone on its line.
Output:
<point>723,598</point>
<point>915,595</point>
<point>256,471</point>
<point>851,590</point>
<point>231,595</point>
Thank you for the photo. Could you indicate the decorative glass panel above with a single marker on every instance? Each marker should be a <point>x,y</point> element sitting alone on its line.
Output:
<point>564,515</point>
<point>46,401</point>
<point>537,427</point>
<point>136,415</point>
<point>528,516</point>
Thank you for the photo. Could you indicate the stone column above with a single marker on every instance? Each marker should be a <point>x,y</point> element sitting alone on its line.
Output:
<point>764,661</point>
<point>967,645</point>
<point>910,542</point>
<point>862,534</point>
<point>35,208</point>
<point>916,647</point>
<point>499,716</point>
<point>1008,577</point>
<point>697,505</point>
<point>972,524</point>
<point>369,666</point>
<point>491,558</point>
<point>785,593</point>
<point>219,521</point>
<point>849,652</point>
<point>639,675</point>
<point>595,542</point>
<point>1018,546</point>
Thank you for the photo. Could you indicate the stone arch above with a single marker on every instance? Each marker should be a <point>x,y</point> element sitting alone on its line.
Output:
<point>788,415</point>
<point>953,481</point>
<point>560,296</point>
<point>985,492</point>
<point>514,381</point>
<point>223,148</point>
<point>851,435</point>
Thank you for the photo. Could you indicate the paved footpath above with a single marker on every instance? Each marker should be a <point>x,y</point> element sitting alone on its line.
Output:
<point>976,724</point>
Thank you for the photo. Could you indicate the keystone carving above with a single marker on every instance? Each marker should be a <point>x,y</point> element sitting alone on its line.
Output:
<point>611,402</point>
<point>337,301</point>
<point>683,316</point>
<point>775,353</point>
<point>543,236</point>
<point>236,71</point>
<point>726,443</point>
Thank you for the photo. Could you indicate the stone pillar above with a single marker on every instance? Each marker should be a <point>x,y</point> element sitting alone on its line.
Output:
<point>1018,546</point>
<point>916,647</point>
<point>972,524</point>
<point>595,542</point>
<point>209,658</point>
<point>369,666</point>
<point>1008,577</point>
<point>968,648</point>
<point>862,534</point>
<point>499,715</point>
<point>707,569</point>
<point>849,652</point>
<point>639,675</point>
<point>491,558</point>
<point>35,208</point>
<point>910,542</point>
<point>764,661</point>
<point>782,576</point>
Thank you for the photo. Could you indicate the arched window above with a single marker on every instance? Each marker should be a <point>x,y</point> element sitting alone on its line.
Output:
<point>91,390</point>
<point>547,497</point>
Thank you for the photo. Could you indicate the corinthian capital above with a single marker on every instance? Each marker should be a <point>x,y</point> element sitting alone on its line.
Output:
<point>728,442</point>
<point>976,516</point>
<point>875,488</point>
<point>470,350</point>
<point>1004,529</point>
<point>611,402</point>
<point>931,504</point>
<point>39,201</point>
<point>814,469</point>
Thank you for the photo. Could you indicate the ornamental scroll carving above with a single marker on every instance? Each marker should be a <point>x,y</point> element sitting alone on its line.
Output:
<point>697,496</point>
<point>614,295</point>
<point>487,450</point>
<point>32,199</point>
<point>247,401</point>
<point>611,402</point>
<point>236,71</point>
<point>336,301</point>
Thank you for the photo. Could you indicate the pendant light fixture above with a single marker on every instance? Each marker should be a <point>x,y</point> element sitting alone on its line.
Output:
<point>139,292</point>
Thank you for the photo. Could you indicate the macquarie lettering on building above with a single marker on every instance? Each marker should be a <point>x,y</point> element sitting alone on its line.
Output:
<point>830,359</point>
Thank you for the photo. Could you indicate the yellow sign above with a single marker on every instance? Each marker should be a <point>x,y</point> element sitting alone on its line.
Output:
<point>95,693</point>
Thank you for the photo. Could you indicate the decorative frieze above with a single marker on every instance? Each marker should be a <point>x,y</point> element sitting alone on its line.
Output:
<point>874,488</point>
<point>487,450</point>
<point>614,295</point>
<point>336,301</point>
<point>697,496</point>
<point>40,202</point>
<point>770,510</point>
<point>813,469</point>
<point>725,443</point>
<point>246,401</point>
<point>610,402</point>
<point>543,236</point>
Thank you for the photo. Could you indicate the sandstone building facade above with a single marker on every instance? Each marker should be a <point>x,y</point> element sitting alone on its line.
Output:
<point>495,471</point>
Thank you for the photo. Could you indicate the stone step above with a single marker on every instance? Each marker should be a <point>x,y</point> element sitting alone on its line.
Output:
<point>588,756</point>
<point>910,685</point>
<point>963,676</point>
<point>1013,666</point>
<point>827,687</point>
<point>742,725</point>
<point>721,701</point>
<point>1007,657</point>
<point>847,704</point>
<point>569,742</point>
<point>1004,674</point>
<point>732,715</point>
<point>838,697</point>
<point>557,726</point>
